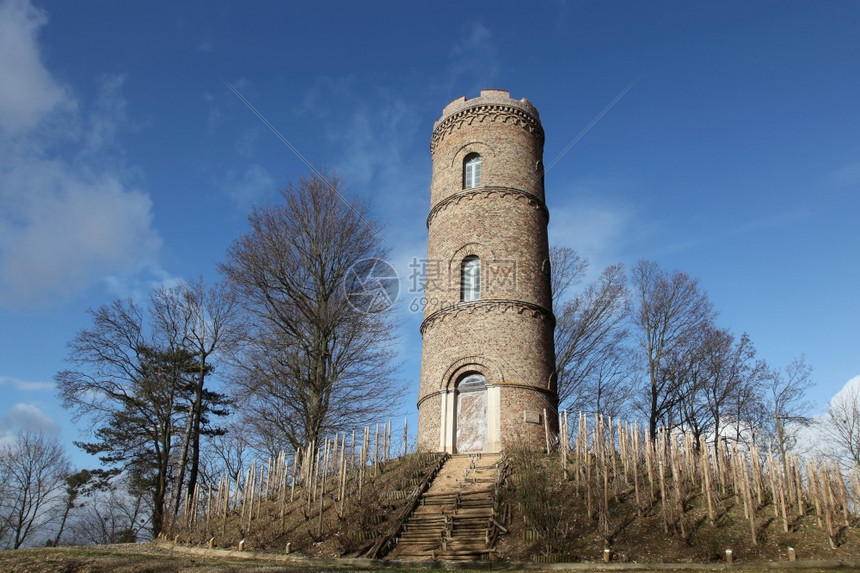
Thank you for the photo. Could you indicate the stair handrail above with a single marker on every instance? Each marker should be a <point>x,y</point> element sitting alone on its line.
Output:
<point>384,543</point>
<point>493,526</point>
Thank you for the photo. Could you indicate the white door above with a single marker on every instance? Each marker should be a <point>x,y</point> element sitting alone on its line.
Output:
<point>471,414</point>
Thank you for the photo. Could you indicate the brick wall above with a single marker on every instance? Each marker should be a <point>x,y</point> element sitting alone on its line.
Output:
<point>507,334</point>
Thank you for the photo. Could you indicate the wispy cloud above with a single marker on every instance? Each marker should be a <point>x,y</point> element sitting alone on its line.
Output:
<point>68,219</point>
<point>475,62</point>
<point>846,175</point>
<point>249,186</point>
<point>24,385</point>
<point>584,219</point>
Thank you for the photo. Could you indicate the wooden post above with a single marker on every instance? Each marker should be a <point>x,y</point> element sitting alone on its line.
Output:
<point>842,493</point>
<point>801,504</point>
<point>678,483</point>
<point>282,493</point>
<point>827,495</point>
<point>322,493</point>
<point>649,464</point>
<point>588,487</point>
<point>352,452</point>
<point>636,476</point>
<point>749,502</point>
<point>611,451</point>
<point>729,556</point>
<point>376,451</point>
<point>756,474</point>
<point>812,479</point>
<point>546,430</point>
<point>388,443</point>
<point>296,459</point>
<point>342,477</point>
<point>664,503</point>
<point>706,478</point>
<point>248,494</point>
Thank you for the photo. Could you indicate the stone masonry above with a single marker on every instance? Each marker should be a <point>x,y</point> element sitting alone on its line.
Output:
<point>503,335</point>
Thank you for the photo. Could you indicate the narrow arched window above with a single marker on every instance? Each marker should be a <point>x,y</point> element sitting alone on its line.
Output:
<point>472,171</point>
<point>470,279</point>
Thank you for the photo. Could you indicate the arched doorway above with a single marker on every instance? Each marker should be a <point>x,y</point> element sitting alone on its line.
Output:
<point>471,414</point>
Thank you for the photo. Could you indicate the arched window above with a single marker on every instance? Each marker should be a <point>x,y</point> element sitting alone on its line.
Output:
<point>470,279</point>
<point>472,171</point>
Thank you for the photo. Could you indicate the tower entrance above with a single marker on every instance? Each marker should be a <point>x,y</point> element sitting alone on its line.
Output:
<point>471,414</point>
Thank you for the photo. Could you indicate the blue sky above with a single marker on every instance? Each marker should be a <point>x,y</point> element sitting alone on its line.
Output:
<point>126,161</point>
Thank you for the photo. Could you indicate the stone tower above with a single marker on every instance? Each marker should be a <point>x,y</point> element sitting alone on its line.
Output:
<point>487,366</point>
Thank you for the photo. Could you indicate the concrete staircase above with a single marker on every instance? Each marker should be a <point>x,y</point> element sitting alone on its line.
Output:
<point>453,518</point>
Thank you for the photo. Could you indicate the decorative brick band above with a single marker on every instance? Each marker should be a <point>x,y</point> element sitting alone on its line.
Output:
<point>502,385</point>
<point>486,193</point>
<point>503,113</point>
<point>498,305</point>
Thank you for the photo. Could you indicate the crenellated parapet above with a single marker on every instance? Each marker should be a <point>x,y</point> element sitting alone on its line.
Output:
<point>493,106</point>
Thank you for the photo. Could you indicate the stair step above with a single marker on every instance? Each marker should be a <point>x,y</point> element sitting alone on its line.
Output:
<point>455,512</point>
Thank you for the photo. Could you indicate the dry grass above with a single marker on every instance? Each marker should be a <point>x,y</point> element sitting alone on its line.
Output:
<point>316,524</point>
<point>550,516</point>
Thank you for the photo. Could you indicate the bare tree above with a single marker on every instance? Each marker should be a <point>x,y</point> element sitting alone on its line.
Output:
<point>567,270</point>
<point>716,378</point>
<point>589,338</point>
<point>110,513</point>
<point>314,362</point>
<point>734,376</point>
<point>228,453</point>
<point>685,379</point>
<point>788,404</point>
<point>609,388</point>
<point>841,423</point>
<point>33,470</point>
<point>671,309</point>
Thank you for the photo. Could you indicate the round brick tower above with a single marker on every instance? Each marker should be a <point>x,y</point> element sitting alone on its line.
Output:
<point>487,367</point>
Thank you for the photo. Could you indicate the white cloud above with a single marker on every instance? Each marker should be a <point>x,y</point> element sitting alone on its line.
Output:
<point>852,385</point>
<point>27,92</point>
<point>29,418</point>
<point>67,220</point>
<point>815,439</point>
<point>62,227</point>
<point>24,385</point>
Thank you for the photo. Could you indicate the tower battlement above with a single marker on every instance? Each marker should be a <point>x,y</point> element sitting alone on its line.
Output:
<point>493,106</point>
<point>487,97</point>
